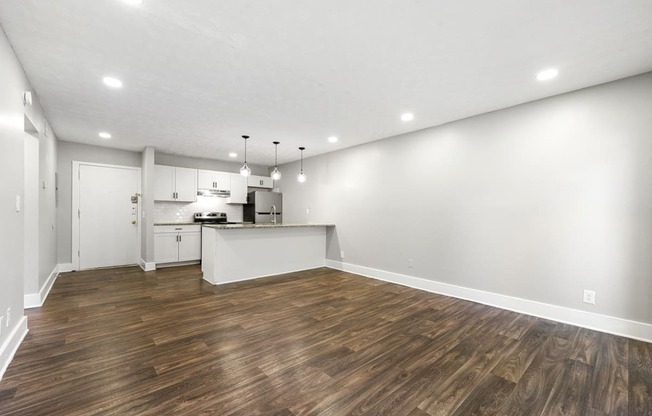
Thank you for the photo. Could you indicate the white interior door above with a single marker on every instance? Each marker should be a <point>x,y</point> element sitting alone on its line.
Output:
<point>108,216</point>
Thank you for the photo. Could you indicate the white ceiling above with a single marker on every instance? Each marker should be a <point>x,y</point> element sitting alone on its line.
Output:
<point>198,74</point>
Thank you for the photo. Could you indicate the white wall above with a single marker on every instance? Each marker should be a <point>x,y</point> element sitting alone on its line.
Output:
<point>538,201</point>
<point>67,153</point>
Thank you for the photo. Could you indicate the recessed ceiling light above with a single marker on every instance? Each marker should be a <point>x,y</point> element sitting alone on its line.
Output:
<point>233,154</point>
<point>407,116</point>
<point>547,74</point>
<point>112,82</point>
<point>332,139</point>
<point>133,2</point>
<point>105,135</point>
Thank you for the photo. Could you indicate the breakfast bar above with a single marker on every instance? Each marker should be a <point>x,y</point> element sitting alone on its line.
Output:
<point>236,252</point>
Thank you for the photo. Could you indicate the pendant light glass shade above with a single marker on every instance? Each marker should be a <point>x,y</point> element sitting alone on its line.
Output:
<point>301,177</point>
<point>245,170</point>
<point>276,175</point>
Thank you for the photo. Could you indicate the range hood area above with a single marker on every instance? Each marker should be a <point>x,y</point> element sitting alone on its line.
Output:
<point>214,193</point>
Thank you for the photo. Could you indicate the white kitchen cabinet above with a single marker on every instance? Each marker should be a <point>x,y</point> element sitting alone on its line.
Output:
<point>213,180</point>
<point>254,181</point>
<point>174,244</point>
<point>190,246</point>
<point>175,184</point>
<point>166,247</point>
<point>238,189</point>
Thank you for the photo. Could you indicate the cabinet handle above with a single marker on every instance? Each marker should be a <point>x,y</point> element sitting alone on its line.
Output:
<point>179,238</point>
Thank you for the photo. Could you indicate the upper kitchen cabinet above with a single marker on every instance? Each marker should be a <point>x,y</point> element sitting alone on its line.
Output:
<point>213,180</point>
<point>260,182</point>
<point>238,189</point>
<point>175,184</point>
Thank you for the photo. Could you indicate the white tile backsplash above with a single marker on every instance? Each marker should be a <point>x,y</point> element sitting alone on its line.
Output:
<point>183,211</point>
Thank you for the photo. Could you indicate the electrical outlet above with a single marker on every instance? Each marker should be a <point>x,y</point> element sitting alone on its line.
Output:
<point>308,211</point>
<point>589,297</point>
<point>8,316</point>
<point>410,263</point>
<point>342,254</point>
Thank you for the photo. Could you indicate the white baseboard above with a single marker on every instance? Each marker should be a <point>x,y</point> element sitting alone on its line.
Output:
<point>147,266</point>
<point>594,321</point>
<point>65,267</point>
<point>11,344</point>
<point>36,300</point>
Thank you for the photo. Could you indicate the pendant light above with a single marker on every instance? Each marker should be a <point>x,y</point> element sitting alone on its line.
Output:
<point>276,175</point>
<point>244,170</point>
<point>301,177</point>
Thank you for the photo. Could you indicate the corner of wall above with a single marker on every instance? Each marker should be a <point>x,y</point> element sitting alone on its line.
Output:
<point>10,346</point>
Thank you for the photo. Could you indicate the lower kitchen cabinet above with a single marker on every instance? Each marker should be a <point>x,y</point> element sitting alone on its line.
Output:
<point>173,244</point>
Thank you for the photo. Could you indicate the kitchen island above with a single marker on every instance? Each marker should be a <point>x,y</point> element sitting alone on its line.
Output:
<point>236,252</point>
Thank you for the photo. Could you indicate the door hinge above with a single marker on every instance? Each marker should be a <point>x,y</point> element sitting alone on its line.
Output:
<point>78,213</point>
<point>78,253</point>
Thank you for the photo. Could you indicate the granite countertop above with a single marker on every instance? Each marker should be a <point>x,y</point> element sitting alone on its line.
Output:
<point>243,226</point>
<point>177,223</point>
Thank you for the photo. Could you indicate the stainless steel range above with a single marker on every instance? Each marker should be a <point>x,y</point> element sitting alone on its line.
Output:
<point>212,218</point>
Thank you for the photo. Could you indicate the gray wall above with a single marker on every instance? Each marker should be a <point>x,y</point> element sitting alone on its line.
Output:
<point>67,153</point>
<point>12,135</point>
<point>40,199</point>
<point>47,201</point>
<point>208,164</point>
<point>147,207</point>
<point>538,201</point>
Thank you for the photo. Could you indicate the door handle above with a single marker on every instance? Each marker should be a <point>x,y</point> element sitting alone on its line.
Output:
<point>133,222</point>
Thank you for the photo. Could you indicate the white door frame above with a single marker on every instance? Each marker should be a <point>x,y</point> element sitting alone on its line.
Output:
<point>75,206</point>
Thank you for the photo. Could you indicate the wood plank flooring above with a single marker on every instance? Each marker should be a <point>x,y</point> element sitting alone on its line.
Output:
<point>320,342</point>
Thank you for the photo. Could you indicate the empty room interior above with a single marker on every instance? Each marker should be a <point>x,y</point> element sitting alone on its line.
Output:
<point>326,208</point>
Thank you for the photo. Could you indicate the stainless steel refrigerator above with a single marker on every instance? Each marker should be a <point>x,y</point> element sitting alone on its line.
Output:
<point>264,207</point>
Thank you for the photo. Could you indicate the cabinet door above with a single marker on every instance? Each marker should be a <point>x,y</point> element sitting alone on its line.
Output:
<point>238,189</point>
<point>190,246</point>
<point>223,180</point>
<point>163,183</point>
<point>254,181</point>
<point>166,248</point>
<point>266,182</point>
<point>206,179</point>
<point>186,184</point>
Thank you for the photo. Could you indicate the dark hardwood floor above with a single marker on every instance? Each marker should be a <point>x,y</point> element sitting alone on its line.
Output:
<point>322,342</point>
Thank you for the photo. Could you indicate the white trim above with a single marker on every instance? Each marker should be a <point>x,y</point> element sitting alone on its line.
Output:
<point>75,205</point>
<point>147,266</point>
<point>603,323</point>
<point>10,346</point>
<point>36,300</point>
<point>256,277</point>
<point>65,267</point>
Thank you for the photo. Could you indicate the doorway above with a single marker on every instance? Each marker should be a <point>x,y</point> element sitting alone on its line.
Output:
<point>106,215</point>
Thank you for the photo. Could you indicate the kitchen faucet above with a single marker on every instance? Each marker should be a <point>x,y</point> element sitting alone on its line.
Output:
<point>273,212</point>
